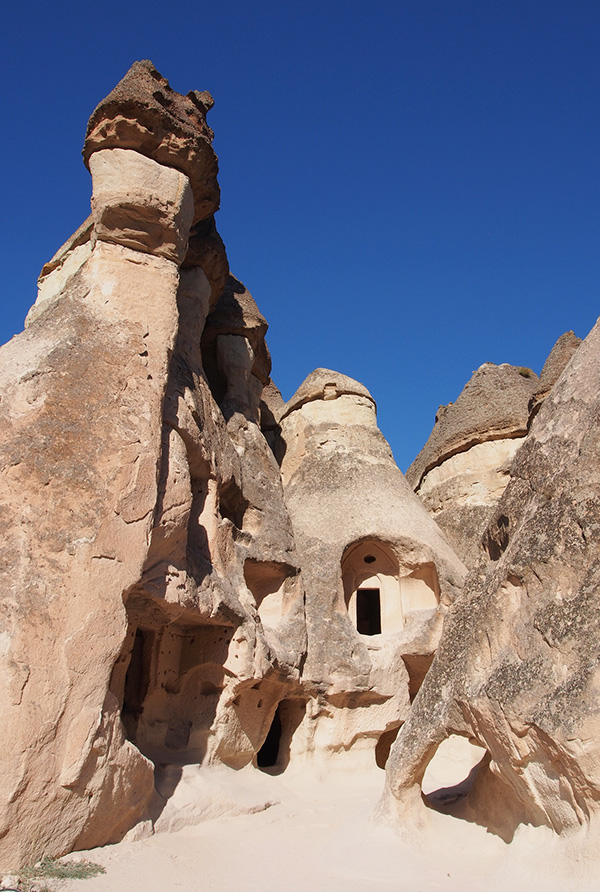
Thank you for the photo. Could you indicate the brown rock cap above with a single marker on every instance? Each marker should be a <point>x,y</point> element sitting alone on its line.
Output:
<point>324,384</point>
<point>144,113</point>
<point>493,405</point>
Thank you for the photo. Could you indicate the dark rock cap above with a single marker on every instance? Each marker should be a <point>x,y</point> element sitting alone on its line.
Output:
<point>558,358</point>
<point>493,405</point>
<point>145,114</point>
<point>323,384</point>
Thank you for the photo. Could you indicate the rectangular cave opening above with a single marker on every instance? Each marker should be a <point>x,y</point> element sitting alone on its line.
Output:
<point>368,611</point>
<point>137,681</point>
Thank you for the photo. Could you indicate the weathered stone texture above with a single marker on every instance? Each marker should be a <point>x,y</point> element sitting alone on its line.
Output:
<point>516,670</point>
<point>559,357</point>
<point>355,518</point>
<point>462,470</point>
<point>145,114</point>
<point>153,602</point>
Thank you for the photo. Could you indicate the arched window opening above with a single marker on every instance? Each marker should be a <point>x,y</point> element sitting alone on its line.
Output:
<point>377,596</point>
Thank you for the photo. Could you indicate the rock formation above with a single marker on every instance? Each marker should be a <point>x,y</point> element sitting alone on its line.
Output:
<point>195,573</point>
<point>377,571</point>
<point>554,366</point>
<point>153,605</point>
<point>517,667</point>
<point>462,470</point>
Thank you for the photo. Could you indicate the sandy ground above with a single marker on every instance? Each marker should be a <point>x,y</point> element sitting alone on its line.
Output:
<point>319,836</point>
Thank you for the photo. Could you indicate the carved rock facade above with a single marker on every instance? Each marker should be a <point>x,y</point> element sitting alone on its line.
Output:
<point>195,573</point>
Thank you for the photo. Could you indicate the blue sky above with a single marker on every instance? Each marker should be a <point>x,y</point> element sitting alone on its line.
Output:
<point>409,189</point>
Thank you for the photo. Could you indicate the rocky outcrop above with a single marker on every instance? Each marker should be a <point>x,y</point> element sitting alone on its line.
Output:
<point>517,667</point>
<point>462,470</point>
<point>150,585</point>
<point>195,573</point>
<point>145,114</point>
<point>558,359</point>
<point>234,350</point>
<point>378,574</point>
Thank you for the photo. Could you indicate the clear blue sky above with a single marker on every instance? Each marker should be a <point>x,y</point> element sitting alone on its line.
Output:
<point>409,189</point>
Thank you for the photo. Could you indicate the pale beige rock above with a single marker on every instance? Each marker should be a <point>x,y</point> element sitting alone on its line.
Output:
<point>463,468</point>
<point>140,204</point>
<point>516,670</point>
<point>462,492</point>
<point>135,525</point>
<point>82,391</point>
<point>359,527</point>
<point>57,272</point>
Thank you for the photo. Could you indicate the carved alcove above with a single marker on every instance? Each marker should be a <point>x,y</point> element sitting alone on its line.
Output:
<point>378,598</point>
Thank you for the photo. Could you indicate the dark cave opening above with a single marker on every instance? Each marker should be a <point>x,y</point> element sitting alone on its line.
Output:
<point>267,755</point>
<point>368,611</point>
<point>137,681</point>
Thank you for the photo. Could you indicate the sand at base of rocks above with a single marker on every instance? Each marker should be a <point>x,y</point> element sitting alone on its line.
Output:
<point>313,831</point>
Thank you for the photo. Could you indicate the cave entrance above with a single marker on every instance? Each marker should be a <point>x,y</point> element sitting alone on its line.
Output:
<point>269,751</point>
<point>274,755</point>
<point>137,681</point>
<point>368,611</point>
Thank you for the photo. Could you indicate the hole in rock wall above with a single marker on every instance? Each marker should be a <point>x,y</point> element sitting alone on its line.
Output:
<point>172,689</point>
<point>274,755</point>
<point>266,581</point>
<point>495,538</point>
<point>267,755</point>
<point>368,611</point>
<point>232,503</point>
<point>384,745</point>
<point>418,666</point>
<point>452,771</point>
<point>137,681</point>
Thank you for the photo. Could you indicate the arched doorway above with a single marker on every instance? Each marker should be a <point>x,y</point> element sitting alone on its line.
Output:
<point>371,588</point>
<point>377,597</point>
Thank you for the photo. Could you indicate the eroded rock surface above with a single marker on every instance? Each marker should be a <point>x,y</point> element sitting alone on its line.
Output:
<point>377,571</point>
<point>517,667</point>
<point>145,114</point>
<point>558,359</point>
<point>150,585</point>
<point>462,470</point>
